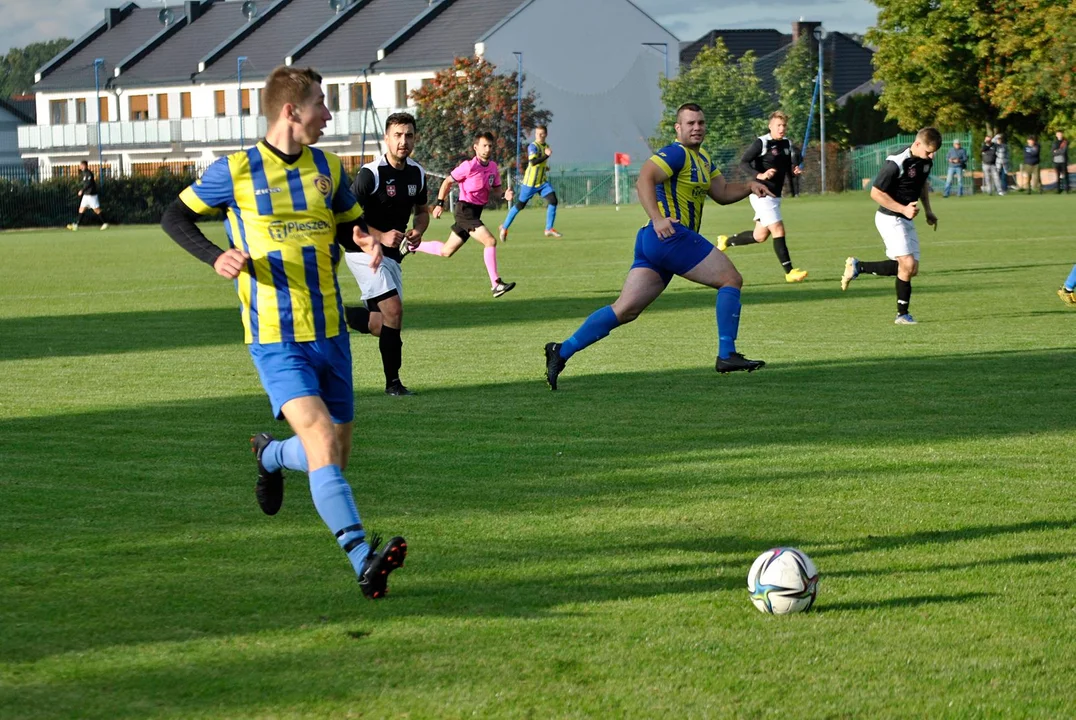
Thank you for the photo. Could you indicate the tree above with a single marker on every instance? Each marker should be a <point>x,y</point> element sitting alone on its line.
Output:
<point>866,123</point>
<point>976,63</point>
<point>464,100</point>
<point>727,90</point>
<point>17,68</point>
<point>795,86</point>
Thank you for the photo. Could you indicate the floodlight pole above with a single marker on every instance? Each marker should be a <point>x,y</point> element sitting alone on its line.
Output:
<point>519,113</point>
<point>664,47</point>
<point>239,72</point>
<point>97,63</point>
<point>820,35</point>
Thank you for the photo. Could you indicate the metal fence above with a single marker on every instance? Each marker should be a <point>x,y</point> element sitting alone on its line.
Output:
<point>867,161</point>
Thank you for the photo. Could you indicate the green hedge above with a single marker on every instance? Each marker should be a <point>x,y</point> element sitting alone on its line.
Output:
<point>54,203</point>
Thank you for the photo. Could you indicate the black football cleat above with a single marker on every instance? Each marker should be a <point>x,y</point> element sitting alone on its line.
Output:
<point>502,287</point>
<point>397,388</point>
<point>554,364</point>
<point>374,578</point>
<point>270,486</point>
<point>736,362</point>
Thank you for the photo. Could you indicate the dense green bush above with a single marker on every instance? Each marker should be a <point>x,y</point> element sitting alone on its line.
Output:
<point>54,203</point>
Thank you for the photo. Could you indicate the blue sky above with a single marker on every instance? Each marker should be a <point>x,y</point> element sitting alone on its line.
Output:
<point>27,21</point>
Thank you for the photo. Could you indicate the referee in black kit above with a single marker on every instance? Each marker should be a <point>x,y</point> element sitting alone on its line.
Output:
<point>389,189</point>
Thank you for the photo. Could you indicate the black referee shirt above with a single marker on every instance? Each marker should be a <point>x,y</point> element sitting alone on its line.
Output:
<point>902,178</point>
<point>388,196</point>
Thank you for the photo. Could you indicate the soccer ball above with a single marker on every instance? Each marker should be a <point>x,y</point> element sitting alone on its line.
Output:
<point>782,581</point>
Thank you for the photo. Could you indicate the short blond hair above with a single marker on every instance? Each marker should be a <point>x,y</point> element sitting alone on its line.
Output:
<point>778,115</point>
<point>287,85</point>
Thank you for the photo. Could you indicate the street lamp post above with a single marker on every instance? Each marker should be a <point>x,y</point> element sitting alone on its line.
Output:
<point>664,48</point>
<point>97,63</point>
<point>519,113</point>
<point>239,71</point>
<point>820,35</point>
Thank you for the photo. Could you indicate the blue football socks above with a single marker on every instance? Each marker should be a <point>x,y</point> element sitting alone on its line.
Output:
<point>288,454</point>
<point>728,320</point>
<point>512,212</point>
<point>336,505</point>
<point>550,216</point>
<point>600,323</point>
<point>1071,282</point>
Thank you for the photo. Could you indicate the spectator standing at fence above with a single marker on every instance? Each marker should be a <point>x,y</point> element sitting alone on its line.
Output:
<point>956,160</point>
<point>90,200</point>
<point>989,157</point>
<point>1002,162</point>
<point>1060,152</point>
<point>1030,166</point>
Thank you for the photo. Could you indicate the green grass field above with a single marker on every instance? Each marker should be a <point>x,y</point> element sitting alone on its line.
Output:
<point>572,554</point>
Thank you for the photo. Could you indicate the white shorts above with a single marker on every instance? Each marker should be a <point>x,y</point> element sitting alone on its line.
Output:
<point>767,209</point>
<point>899,235</point>
<point>89,201</point>
<point>375,283</point>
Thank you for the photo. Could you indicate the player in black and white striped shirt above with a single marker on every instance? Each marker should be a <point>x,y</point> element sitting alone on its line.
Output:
<point>901,185</point>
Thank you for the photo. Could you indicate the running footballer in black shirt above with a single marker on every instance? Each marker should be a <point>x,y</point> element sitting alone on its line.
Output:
<point>770,160</point>
<point>390,189</point>
<point>901,185</point>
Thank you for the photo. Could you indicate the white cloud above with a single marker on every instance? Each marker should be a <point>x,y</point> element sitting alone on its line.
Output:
<point>690,19</point>
<point>29,21</point>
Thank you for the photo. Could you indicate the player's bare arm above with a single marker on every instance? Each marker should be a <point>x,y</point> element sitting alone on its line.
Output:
<point>369,245</point>
<point>649,178</point>
<point>725,193</point>
<point>924,197</point>
<point>419,227</point>
<point>886,200</point>
<point>446,188</point>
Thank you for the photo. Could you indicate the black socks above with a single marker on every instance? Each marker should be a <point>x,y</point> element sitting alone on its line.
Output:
<point>357,318</point>
<point>883,267</point>
<point>781,248</point>
<point>904,296</point>
<point>391,347</point>
<point>747,237</point>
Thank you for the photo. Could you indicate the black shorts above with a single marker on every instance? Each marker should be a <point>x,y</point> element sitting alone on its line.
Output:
<point>468,218</point>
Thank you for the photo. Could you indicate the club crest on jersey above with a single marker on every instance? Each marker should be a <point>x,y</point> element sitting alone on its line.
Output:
<point>491,179</point>
<point>911,172</point>
<point>323,185</point>
<point>775,151</point>
<point>390,190</point>
<point>412,190</point>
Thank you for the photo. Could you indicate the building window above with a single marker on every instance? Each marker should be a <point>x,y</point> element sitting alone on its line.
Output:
<point>360,95</point>
<point>102,109</point>
<point>332,101</point>
<point>185,105</point>
<point>58,112</point>
<point>244,102</point>
<point>162,107</point>
<point>401,93</point>
<point>261,101</point>
<point>138,107</point>
<point>218,97</point>
<point>80,110</point>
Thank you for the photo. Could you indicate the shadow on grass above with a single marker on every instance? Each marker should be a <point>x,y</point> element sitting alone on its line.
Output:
<point>899,602</point>
<point>122,332</point>
<point>138,525</point>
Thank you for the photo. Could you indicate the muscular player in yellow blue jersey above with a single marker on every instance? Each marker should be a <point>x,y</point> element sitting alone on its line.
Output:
<point>535,182</point>
<point>672,186</point>
<point>288,209</point>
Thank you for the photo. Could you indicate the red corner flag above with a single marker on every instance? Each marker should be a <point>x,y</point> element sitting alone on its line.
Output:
<point>621,159</point>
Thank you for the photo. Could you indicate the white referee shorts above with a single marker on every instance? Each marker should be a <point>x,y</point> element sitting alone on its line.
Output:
<point>767,209</point>
<point>375,283</point>
<point>899,235</point>
<point>89,201</point>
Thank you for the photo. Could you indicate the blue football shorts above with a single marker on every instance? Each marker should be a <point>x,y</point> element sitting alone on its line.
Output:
<point>676,255</point>
<point>526,192</point>
<point>290,370</point>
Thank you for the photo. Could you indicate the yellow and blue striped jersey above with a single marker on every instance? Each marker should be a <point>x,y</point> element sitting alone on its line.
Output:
<point>536,172</point>
<point>284,216</point>
<point>683,194</point>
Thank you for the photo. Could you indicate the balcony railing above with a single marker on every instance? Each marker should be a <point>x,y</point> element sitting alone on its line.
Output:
<point>188,131</point>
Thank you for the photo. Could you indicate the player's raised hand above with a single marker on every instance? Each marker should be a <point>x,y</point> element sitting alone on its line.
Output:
<point>768,174</point>
<point>508,195</point>
<point>663,228</point>
<point>548,152</point>
<point>231,263</point>
<point>911,210</point>
<point>437,211</point>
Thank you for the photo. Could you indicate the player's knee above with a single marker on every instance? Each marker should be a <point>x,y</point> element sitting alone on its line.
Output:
<point>552,199</point>
<point>520,205</point>
<point>731,278</point>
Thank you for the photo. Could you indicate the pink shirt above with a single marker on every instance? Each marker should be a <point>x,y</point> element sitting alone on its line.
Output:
<point>476,179</point>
